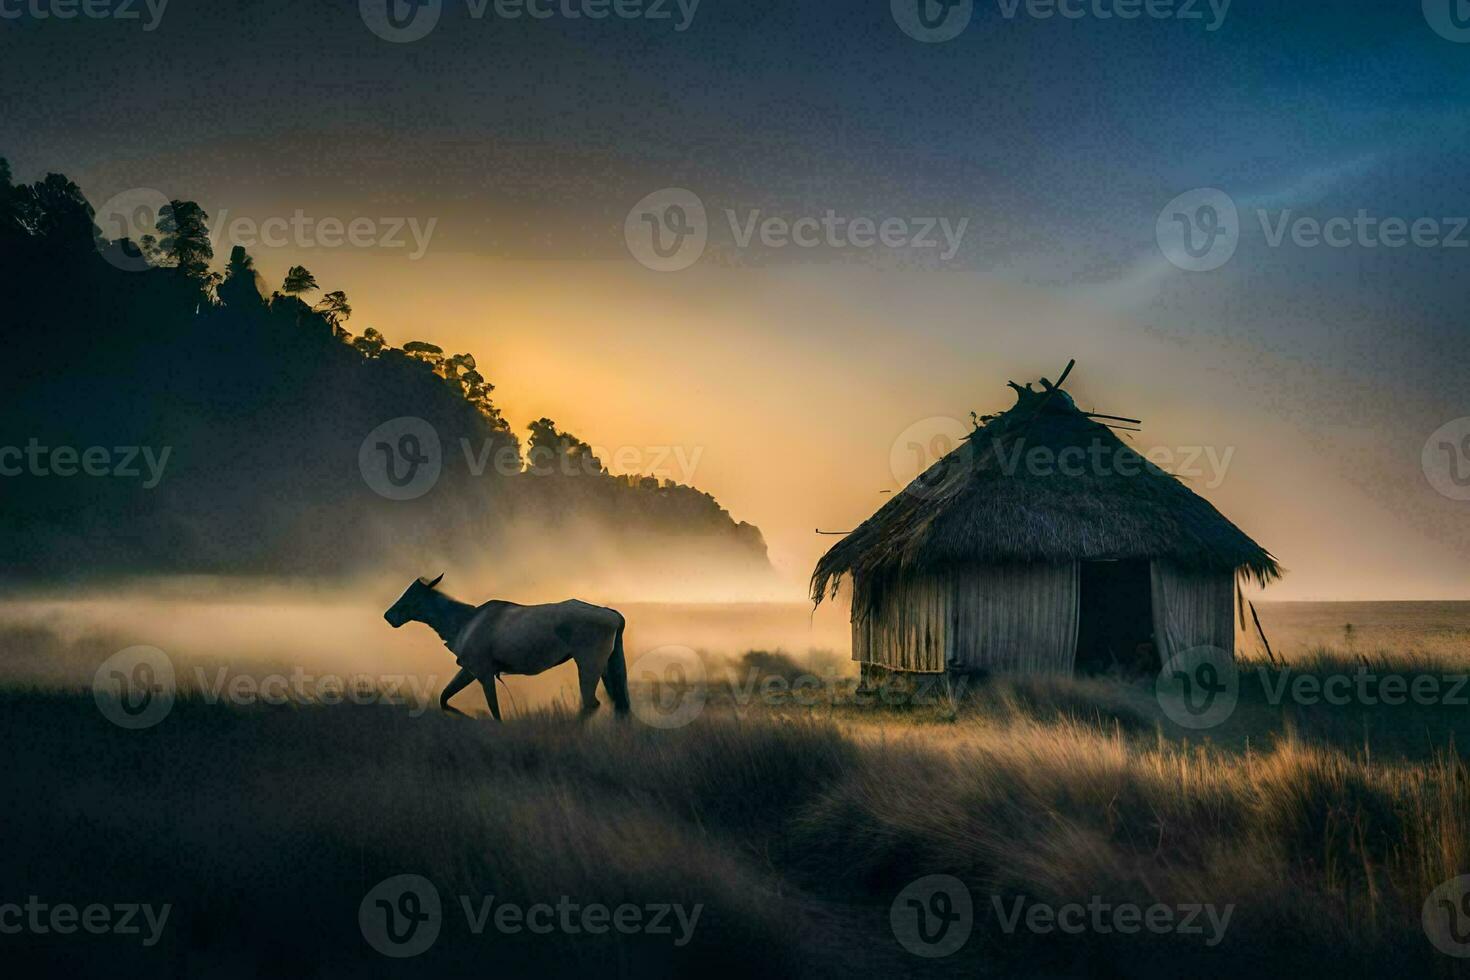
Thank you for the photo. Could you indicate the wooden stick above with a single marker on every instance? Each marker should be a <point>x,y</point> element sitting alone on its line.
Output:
<point>1051,389</point>
<point>820,531</point>
<point>1261,631</point>
<point>1070,365</point>
<point>1115,418</point>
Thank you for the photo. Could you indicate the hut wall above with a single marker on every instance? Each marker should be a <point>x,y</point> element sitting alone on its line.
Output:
<point>908,629</point>
<point>1192,609</point>
<point>1016,618</point>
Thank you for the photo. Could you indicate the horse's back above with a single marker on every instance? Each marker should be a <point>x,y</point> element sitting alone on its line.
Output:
<point>530,639</point>
<point>566,611</point>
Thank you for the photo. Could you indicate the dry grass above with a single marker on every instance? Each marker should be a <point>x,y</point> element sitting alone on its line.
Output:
<point>795,827</point>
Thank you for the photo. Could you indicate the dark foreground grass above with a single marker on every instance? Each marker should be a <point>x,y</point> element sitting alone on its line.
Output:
<point>264,828</point>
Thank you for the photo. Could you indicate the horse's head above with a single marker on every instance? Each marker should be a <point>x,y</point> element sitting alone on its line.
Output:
<point>408,605</point>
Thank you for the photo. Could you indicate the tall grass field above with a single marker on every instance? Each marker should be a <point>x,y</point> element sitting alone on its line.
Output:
<point>1085,832</point>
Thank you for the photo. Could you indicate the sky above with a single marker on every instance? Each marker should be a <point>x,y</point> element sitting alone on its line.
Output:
<point>500,169</point>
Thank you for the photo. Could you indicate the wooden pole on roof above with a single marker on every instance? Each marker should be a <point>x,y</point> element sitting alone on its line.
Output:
<point>1065,371</point>
<point>1051,389</point>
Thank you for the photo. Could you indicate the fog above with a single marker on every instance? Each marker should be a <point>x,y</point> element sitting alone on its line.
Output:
<point>224,634</point>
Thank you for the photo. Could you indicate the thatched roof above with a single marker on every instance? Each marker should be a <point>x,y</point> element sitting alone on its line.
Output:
<point>984,503</point>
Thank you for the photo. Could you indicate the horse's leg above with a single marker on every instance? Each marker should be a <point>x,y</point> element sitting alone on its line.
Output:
<point>458,683</point>
<point>490,698</point>
<point>615,676</point>
<point>587,677</point>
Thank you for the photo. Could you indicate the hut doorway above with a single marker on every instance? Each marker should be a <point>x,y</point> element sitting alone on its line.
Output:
<point>1115,617</point>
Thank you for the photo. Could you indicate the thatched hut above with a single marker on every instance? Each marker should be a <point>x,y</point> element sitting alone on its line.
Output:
<point>1043,543</point>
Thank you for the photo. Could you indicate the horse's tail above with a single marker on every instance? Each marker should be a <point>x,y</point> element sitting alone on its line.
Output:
<point>615,676</point>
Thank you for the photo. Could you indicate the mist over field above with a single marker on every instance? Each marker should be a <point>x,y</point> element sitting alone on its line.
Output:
<point>225,628</point>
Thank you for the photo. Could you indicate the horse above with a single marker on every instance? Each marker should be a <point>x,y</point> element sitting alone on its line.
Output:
<point>499,637</point>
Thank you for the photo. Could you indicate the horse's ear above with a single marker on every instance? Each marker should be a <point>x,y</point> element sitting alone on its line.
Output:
<point>436,581</point>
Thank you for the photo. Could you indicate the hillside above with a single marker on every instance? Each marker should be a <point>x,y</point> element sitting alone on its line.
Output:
<point>227,427</point>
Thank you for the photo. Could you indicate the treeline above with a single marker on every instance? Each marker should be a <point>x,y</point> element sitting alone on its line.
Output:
<point>256,401</point>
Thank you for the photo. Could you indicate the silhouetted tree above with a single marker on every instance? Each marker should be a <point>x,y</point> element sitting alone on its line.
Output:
<point>430,354</point>
<point>56,211</point>
<point>241,286</point>
<point>371,343</point>
<point>298,281</point>
<point>185,229</point>
<point>335,309</point>
<point>9,216</point>
<point>552,451</point>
